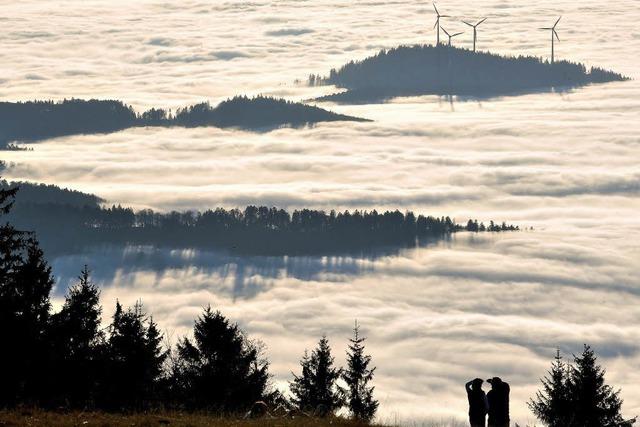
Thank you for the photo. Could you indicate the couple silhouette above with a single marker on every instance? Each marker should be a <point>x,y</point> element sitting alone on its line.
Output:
<point>495,403</point>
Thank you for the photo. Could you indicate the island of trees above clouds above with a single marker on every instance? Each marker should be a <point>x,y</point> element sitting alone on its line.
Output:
<point>448,70</point>
<point>40,120</point>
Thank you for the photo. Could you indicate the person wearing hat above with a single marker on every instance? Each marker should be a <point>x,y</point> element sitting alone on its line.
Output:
<point>498,398</point>
<point>478,405</point>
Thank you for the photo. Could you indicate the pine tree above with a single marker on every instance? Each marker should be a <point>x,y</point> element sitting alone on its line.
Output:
<point>360,399</point>
<point>76,339</point>
<point>317,384</point>
<point>25,285</point>
<point>80,317</point>
<point>552,405</point>
<point>302,386</point>
<point>221,369</point>
<point>594,403</point>
<point>154,354</point>
<point>135,359</point>
<point>24,306</point>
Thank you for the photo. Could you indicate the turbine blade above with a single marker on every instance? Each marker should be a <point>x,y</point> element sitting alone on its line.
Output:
<point>545,28</point>
<point>554,25</point>
<point>436,24</point>
<point>445,31</point>
<point>457,34</point>
<point>465,22</point>
<point>484,19</point>
<point>445,16</point>
<point>434,6</point>
<point>556,34</point>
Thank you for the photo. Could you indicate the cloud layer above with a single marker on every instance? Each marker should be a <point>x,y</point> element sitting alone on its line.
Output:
<point>564,163</point>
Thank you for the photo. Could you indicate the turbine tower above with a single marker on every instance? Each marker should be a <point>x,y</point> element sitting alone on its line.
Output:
<point>475,31</point>
<point>437,24</point>
<point>553,34</point>
<point>451,35</point>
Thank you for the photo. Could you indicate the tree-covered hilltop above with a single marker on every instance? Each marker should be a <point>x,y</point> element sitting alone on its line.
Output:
<point>448,70</point>
<point>37,120</point>
<point>254,113</point>
<point>43,193</point>
<point>66,225</point>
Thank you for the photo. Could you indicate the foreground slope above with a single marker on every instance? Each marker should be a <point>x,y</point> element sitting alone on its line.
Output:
<point>177,419</point>
<point>444,70</point>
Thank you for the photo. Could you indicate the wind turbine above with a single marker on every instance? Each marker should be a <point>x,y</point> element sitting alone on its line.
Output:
<point>437,24</point>
<point>553,33</point>
<point>450,35</point>
<point>475,31</point>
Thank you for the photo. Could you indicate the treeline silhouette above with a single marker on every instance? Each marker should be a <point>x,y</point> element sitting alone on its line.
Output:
<point>74,222</point>
<point>448,70</point>
<point>37,120</point>
<point>67,359</point>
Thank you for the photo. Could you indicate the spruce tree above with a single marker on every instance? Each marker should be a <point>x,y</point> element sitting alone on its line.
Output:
<point>25,285</point>
<point>32,285</point>
<point>358,375</point>
<point>317,384</point>
<point>77,339</point>
<point>221,369</point>
<point>552,405</point>
<point>302,386</point>
<point>593,402</point>
<point>135,359</point>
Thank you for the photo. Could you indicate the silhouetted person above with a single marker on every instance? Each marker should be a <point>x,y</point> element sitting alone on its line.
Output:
<point>498,398</point>
<point>478,404</point>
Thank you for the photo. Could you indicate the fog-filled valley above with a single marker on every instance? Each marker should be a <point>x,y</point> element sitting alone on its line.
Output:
<point>560,164</point>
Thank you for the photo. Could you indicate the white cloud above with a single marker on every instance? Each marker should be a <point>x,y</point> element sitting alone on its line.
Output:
<point>563,163</point>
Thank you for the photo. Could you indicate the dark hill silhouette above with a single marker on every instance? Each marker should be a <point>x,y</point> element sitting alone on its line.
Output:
<point>255,113</point>
<point>37,120</point>
<point>444,70</point>
<point>66,224</point>
<point>43,193</point>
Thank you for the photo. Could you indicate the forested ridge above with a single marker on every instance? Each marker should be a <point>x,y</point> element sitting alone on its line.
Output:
<point>73,222</point>
<point>448,70</point>
<point>37,120</point>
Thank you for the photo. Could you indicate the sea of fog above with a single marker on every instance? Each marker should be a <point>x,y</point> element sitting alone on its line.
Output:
<point>563,163</point>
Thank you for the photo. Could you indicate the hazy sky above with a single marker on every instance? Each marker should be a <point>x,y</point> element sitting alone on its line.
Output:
<point>566,164</point>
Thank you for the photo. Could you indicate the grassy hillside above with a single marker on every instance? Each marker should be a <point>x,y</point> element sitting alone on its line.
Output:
<point>22,418</point>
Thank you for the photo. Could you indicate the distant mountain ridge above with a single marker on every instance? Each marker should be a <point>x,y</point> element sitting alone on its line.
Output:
<point>38,120</point>
<point>447,70</point>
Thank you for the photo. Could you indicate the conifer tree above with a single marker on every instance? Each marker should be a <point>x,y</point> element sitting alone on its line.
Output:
<point>80,317</point>
<point>25,285</point>
<point>594,403</point>
<point>29,290</point>
<point>577,395</point>
<point>77,339</point>
<point>317,384</point>
<point>302,386</point>
<point>135,359</point>
<point>221,369</point>
<point>552,404</point>
<point>358,375</point>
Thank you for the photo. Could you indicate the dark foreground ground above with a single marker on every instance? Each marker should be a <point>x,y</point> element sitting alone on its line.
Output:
<point>26,418</point>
